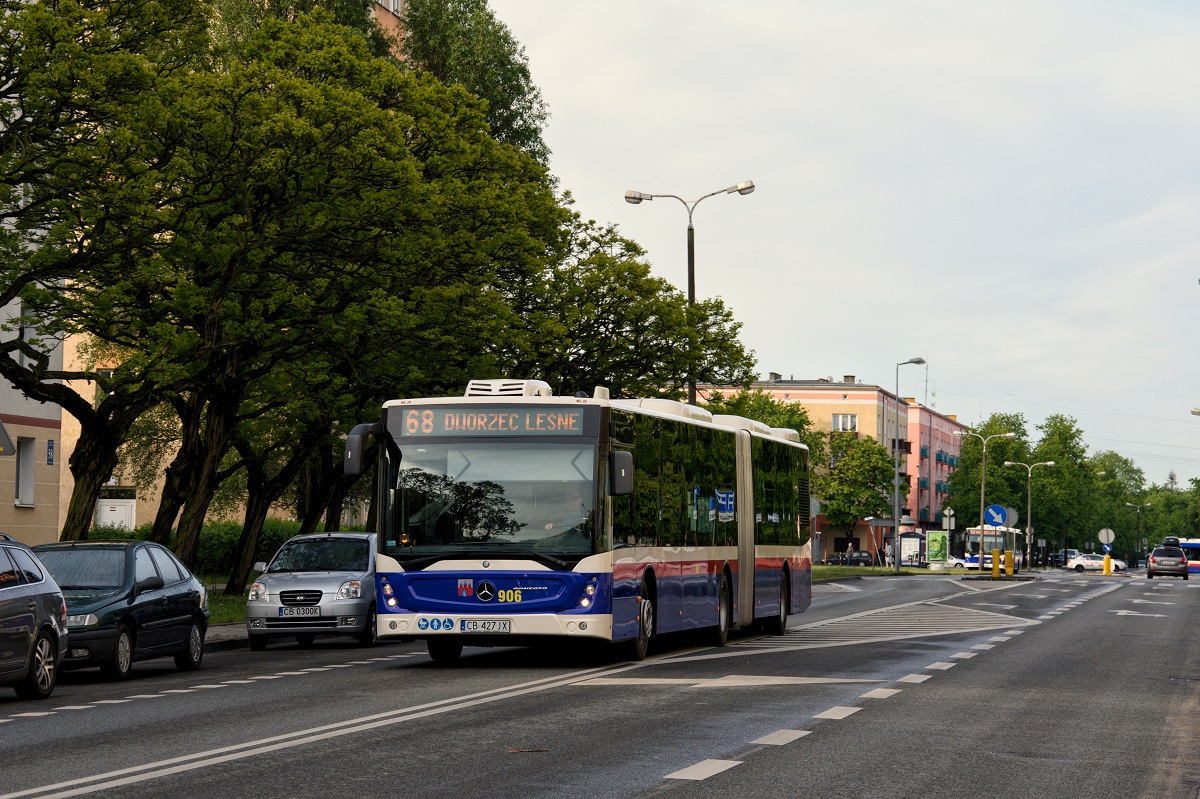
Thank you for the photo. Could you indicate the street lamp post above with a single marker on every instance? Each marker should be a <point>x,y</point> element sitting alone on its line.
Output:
<point>1139,518</point>
<point>1028,503</point>
<point>982,479</point>
<point>896,476</point>
<point>635,197</point>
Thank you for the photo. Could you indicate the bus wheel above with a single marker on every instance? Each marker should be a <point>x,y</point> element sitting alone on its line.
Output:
<point>721,634</point>
<point>639,646</point>
<point>444,651</point>
<point>777,625</point>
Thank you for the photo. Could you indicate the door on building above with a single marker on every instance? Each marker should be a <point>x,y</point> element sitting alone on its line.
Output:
<point>116,513</point>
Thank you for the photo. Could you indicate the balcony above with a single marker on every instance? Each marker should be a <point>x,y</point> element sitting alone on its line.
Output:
<point>904,445</point>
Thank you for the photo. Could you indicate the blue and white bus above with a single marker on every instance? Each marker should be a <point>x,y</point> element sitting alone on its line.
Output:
<point>1001,538</point>
<point>509,515</point>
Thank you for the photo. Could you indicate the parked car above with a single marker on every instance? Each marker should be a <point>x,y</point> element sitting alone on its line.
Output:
<point>1056,558</point>
<point>33,622</point>
<point>322,584</point>
<point>128,601</point>
<point>955,562</point>
<point>1167,560</point>
<point>1089,561</point>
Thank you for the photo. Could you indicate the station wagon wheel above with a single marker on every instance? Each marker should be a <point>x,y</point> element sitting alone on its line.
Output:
<point>190,658</point>
<point>43,672</point>
<point>121,663</point>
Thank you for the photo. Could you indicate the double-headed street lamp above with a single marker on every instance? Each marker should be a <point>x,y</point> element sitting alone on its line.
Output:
<point>896,476</point>
<point>982,479</point>
<point>1138,543</point>
<point>1028,503</point>
<point>635,197</point>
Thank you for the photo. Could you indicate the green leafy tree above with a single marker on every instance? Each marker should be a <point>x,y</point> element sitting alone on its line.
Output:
<point>597,317</point>
<point>1117,481</point>
<point>856,482</point>
<point>1063,494</point>
<point>761,407</point>
<point>1005,486</point>
<point>462,42</point>
<point>78,82</point>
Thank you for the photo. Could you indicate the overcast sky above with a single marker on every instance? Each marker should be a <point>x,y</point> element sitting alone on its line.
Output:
<point>1009,190</point>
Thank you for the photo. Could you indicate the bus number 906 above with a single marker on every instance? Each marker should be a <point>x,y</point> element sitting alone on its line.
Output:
<point>509,595</point>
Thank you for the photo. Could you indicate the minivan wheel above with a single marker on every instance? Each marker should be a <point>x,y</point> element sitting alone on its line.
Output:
<point>121,663</point>
<point>258,643</point>
<point>370,634</point>
<point>43,672</point>
<point>190,658</point>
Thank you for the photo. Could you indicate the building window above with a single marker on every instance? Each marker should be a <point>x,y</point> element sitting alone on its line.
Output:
<point>845,423</point>
<point>25,447</point>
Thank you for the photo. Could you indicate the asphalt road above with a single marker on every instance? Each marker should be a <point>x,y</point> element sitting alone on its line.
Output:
<point>1061,686</point>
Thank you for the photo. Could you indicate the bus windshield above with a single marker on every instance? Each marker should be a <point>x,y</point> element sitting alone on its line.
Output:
<point>492,495</point>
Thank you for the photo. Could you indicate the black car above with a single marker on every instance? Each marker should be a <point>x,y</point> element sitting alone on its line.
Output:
<point>128,601</point>
<point>33,622</point>
<point>857,557</point>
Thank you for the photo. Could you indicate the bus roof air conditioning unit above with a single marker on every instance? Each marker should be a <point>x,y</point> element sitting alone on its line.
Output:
<point>742,423</point>
<point>786,433</point>
<point>507,388</point>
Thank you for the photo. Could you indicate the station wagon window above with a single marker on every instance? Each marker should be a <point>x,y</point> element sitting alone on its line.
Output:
<point>8,571</point>
<point>166,566</point>
<point>27,565</point>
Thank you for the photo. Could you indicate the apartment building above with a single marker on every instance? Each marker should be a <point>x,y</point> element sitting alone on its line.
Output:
<point>924,437</point>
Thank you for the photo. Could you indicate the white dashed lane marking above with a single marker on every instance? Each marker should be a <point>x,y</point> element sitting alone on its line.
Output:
<point>703,770</point>
<point>880,693</point>
<point>839,712</point>
<point>781,737</point>
<point>915,678</point>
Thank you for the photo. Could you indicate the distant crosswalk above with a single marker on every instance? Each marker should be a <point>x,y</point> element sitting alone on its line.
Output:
<point>916,620</point>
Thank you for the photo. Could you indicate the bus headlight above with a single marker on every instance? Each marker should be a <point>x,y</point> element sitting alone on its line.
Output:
<point>585,602</point>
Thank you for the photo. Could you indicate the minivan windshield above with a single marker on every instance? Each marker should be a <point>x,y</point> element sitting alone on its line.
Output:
<point>85,567</point>
<point>326,554</point>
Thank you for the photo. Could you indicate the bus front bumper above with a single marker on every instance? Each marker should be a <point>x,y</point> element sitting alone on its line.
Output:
<point>495,627</point>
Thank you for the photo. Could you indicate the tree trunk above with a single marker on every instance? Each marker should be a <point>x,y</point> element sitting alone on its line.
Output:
<point>218,433</point>
<point>94,460</point>
<point>258,503</point>
<point>179,476</point>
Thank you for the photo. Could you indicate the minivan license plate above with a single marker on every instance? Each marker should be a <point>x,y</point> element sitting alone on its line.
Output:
<point>485,625</point>
<point>283,612</point>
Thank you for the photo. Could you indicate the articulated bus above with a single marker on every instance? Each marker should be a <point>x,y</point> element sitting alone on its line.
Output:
<point>1001,538</point>
<point>1191,548</point>
<point>508,516</point>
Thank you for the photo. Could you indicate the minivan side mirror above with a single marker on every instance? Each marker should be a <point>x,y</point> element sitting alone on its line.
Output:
<point>260,567</point>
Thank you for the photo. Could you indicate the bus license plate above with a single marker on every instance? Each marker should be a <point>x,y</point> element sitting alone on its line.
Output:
<point>485,625</point>
<point>284,612</point>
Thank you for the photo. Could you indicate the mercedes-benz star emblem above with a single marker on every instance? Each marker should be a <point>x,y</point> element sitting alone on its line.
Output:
<point>485,591</point>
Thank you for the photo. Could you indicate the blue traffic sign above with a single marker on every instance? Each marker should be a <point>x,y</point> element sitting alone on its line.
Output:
<point>995,515</point>
<point>1108,547</point>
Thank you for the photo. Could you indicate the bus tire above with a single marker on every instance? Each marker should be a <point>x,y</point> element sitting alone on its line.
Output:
<point>777,625</point>
<point>724,613</point>
<point>640,646</point>
<point>444,650</point>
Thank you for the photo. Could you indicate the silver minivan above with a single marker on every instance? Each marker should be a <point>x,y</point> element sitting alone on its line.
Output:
<point>321,584</point>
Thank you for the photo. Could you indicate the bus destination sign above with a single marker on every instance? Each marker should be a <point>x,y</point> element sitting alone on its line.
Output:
<point>449,421</point>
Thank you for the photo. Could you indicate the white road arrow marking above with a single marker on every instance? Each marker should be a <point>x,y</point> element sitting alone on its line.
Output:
<point>994,605</point>
<point>1148,602</point>
<point>1135,613</point>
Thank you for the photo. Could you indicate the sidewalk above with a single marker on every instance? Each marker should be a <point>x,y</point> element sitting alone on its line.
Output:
<point>223,637</point>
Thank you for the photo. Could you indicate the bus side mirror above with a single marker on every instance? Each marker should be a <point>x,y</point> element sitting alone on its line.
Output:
<point>620,478</point>
<point>355,442</point>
